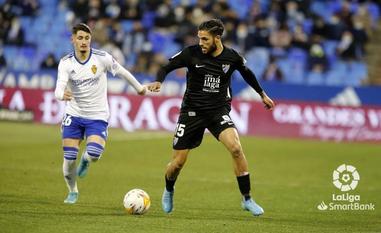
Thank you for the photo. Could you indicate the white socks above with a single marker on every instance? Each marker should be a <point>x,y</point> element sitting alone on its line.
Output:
<point>70,174</point>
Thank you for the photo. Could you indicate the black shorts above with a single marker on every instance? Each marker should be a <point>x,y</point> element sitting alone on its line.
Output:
<point>191,126</point>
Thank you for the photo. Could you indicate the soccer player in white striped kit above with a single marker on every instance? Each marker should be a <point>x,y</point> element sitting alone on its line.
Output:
<point>82,83</point>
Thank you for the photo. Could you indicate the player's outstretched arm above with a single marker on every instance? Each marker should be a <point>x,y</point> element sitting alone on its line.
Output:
<point>251,79</point>
<point>122,72</point>
<point>175,62</point>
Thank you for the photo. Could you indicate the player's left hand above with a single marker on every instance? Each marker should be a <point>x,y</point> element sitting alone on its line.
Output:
<point>269,103</point>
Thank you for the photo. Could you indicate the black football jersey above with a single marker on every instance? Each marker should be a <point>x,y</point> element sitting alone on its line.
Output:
<point>208,77</point>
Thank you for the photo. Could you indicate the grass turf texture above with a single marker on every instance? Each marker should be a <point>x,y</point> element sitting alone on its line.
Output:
<point>289,177</point>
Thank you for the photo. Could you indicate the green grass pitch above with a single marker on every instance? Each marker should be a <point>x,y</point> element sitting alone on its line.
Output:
<point>289,179</point>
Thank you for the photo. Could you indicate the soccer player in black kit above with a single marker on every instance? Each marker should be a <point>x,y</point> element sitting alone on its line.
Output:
<point>206,105</point>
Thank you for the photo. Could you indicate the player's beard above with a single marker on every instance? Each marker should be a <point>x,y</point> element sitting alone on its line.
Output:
<point>212,48</point>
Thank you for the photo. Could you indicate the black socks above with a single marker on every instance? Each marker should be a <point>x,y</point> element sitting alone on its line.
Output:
<point>244,186</point>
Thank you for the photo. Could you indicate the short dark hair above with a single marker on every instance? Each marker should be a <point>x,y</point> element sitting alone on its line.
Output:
<point>81,27</point>
<point>213,26</point>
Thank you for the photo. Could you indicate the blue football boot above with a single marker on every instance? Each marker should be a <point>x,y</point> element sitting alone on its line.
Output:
<point>167,201</point>
<point>71,198</point>
<point>253,207</point>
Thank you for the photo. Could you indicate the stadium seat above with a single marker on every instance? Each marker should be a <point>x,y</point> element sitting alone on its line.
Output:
<point>315,78</point>
<point>258,59</point>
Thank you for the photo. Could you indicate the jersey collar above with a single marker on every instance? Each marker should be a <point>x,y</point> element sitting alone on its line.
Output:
<point>82,63</point>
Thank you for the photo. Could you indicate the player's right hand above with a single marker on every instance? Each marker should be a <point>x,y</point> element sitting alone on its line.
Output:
<point>143,91</point>
<point>67,95</point>
<point>154,87</point>
<point>269,103</point>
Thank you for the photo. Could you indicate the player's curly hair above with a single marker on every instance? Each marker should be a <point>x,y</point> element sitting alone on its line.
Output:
<point>81,27</point>
<point>213,26</point>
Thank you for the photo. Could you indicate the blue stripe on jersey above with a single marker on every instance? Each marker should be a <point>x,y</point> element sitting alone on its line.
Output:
<point>82,63</point>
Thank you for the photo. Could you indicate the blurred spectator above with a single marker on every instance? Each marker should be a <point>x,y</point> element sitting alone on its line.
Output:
<point>80,9</point>
<point>4,26</point>
<point>230,32</point>
<point>294,16</point>
<point>364,17</point>
<point>49,62</point>
<point>273,72</point>
<point>3,62</point>
<point>186,27</point>
<point>131,9</point>
<point>345,13</point>
<point>222,10</point>
<point>135,40</point>
<point>300,38</point>
<point>115,51</point>
<point>319,27</point>
<point>259,35</point>
<point>335,28</point>
<point>165,16</point>
<point>347,47</point>
<point>15,34</point>
<point>255,11</point>
<point>29,7</point>
<point>96,9</point>
<point>360,37</point>
<point>241,36</point>
<point>112,9</point>
<point>280,40</point>
<point>317,61</point>
<point>116,33</point>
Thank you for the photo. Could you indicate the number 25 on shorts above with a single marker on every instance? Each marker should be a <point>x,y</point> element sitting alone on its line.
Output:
<point>180,130</point>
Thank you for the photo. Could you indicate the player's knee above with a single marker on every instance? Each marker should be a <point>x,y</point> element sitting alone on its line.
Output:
<point>236,150</point>
<point>94,150</point>
<point>70,153</point>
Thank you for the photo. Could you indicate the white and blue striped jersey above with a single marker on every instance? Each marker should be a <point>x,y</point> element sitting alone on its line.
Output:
<point>88,83</point>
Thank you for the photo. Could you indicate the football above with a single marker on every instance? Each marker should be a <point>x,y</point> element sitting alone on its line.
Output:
<point>136,201</point>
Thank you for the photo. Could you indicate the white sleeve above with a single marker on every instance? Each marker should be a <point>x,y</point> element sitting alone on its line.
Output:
<point>62,79</point>
<point>122,72</point>
<point>116,69</point>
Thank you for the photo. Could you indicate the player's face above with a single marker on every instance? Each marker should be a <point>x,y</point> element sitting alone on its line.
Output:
<point>81,41</point>
<point>207,42</point>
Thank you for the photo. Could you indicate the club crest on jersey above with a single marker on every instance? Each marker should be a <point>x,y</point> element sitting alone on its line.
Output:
<point>225,68</point>
<point>94,69</point>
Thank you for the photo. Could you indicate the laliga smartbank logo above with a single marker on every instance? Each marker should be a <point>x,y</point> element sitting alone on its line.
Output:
<point>345,178</point>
